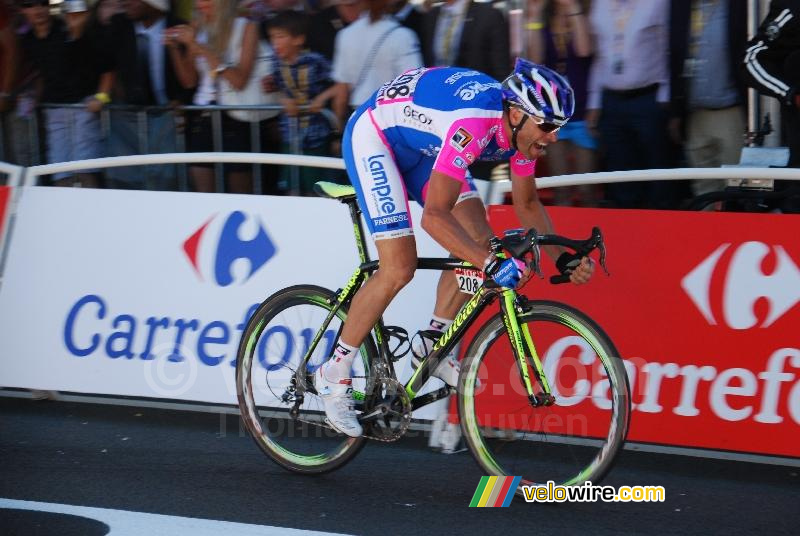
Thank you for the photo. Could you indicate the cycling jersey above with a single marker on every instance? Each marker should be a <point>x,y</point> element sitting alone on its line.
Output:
<point>426,119</point>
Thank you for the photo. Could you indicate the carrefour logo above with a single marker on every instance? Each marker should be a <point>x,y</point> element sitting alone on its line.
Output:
<point>217,249</point>
<point>745,282</point>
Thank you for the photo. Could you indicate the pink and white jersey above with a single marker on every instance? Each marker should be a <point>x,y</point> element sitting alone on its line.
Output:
<point>450,114</point>
<point>441,119</point>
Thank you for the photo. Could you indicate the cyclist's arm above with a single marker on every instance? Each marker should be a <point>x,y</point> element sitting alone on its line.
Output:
<point>439,222</point>
<point>531,213</point>
<point>529,209</point>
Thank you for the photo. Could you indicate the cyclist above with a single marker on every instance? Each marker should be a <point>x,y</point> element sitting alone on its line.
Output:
<point>417,135</point>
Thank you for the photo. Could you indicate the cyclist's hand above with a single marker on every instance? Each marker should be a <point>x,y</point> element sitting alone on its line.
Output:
<point>507,272</point>
<point>580,269</point>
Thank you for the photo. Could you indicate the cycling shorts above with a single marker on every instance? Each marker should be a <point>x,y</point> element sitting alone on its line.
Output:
<point>382,187</point>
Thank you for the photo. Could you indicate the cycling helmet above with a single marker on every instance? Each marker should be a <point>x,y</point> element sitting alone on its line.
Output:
<point>540,92</point>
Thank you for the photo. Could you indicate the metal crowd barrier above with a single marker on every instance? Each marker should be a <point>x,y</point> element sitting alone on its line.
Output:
<point>22,143</point>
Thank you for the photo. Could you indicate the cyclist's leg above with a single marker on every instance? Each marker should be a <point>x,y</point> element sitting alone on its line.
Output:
<point>471,214</point>
<point>398,261</point>
<point>383,199</point>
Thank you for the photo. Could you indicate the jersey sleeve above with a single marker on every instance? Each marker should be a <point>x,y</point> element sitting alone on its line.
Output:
<point>522,166</point>
<point>461,146</point>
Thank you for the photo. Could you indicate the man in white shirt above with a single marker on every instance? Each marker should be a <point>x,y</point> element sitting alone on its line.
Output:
<point>373,49</point>
<point>629,91</point>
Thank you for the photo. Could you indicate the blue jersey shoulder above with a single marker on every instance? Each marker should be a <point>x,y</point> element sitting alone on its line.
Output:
<point>453,88</point>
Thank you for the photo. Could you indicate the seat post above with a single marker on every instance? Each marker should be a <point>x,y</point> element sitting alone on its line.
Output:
<point>358,229</point>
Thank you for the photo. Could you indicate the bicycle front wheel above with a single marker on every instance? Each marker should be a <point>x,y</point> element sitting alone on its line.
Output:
<point>286,419</point>
<point>571,442</point>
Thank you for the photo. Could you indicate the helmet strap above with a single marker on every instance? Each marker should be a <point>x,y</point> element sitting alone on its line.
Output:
<point>516,128</point>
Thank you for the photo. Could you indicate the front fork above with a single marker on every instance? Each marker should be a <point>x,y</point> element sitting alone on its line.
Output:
<point>526,357</point>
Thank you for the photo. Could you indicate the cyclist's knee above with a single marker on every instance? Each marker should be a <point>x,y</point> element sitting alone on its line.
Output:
<point>398,275</point>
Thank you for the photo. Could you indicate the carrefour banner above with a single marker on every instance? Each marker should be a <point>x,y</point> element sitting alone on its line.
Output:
<point>147,293</point>
<point>704,308</point>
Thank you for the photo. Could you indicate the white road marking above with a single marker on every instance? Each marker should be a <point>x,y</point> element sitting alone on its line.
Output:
<point>124,523</point>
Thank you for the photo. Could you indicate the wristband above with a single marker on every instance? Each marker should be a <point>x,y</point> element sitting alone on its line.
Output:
<point>490,264</point>
<point>534,26</point>
<point>103,97</point>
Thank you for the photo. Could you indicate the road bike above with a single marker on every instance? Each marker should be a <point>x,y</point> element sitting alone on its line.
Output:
<point>561,415</point>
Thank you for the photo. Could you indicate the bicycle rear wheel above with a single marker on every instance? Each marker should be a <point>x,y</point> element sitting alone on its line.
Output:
<point>571,442</point>
<point>284,418</point>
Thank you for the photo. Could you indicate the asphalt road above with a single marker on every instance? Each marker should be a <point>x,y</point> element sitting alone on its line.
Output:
<point>201,465</point>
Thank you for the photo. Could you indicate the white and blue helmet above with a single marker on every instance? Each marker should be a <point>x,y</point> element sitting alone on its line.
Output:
<point>540,92</point>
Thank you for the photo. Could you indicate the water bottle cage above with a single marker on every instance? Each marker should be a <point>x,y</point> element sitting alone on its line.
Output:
<point>403,345</point>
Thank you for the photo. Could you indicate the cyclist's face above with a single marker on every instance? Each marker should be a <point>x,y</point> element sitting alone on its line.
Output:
<point>532,141</point>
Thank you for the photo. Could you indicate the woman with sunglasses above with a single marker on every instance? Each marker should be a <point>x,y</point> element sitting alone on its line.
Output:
<point>418,135</point>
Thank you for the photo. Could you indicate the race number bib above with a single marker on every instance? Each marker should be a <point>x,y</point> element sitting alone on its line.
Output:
<point>401,88</point>
<point>469,280</point>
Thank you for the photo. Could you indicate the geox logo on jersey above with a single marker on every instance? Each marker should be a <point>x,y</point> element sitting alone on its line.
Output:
<point>381,189</point>
<point>420,117</point>
<point>461,139</point>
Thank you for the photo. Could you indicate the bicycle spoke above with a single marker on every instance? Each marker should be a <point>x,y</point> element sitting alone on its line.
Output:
<point>567,442</point>
<point>287,420</point>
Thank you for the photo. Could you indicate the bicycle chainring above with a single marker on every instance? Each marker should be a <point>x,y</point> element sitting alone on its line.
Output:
<point>387,415</point>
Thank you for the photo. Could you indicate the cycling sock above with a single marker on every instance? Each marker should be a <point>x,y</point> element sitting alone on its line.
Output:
<point>440,324</point>
<point>421,346</point>
<point>340,364</point>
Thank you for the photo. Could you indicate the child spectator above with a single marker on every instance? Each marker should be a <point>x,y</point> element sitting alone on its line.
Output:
<point>303,78</point>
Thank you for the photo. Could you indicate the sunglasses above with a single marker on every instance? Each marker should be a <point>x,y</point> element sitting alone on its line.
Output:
<point>545,127</point>
<point>35,3</point>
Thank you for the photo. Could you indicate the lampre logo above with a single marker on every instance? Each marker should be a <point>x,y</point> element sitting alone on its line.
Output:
<point>217,248</point>
<point>745,282</point>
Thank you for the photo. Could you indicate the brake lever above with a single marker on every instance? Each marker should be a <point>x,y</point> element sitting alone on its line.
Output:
<point>601,245</point>
<point>536,264</point>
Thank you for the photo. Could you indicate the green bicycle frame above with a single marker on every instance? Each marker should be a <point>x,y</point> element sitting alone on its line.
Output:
<point>520,337</point>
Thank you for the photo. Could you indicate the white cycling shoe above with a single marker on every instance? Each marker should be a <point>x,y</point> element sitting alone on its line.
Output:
<point>448,370</point>
<point>337,398</point>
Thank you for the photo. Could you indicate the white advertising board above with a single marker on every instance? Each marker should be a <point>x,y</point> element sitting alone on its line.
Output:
<point>146,293</point>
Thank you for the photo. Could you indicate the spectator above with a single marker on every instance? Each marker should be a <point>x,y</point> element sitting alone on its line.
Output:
<point>408,15</point>
<point>628,95</point>
<point>303,78</point>
<point>69,73</point>
<point>8,69</point>
<point>8,57</point>
<point>218,47</point>
<point>328,22</point>
<point>558,37</point>
<point>469,34</point>
<point>707,39</point>
<point>772,66</point>
<point>145,76</point>
<point>373,49</point>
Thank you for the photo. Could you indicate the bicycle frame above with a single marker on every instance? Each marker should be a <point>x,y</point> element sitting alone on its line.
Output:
<point>511,304</point>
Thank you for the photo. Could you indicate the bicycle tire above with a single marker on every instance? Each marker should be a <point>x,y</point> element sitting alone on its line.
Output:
<point>300,456</point>
<point>562,450</point>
